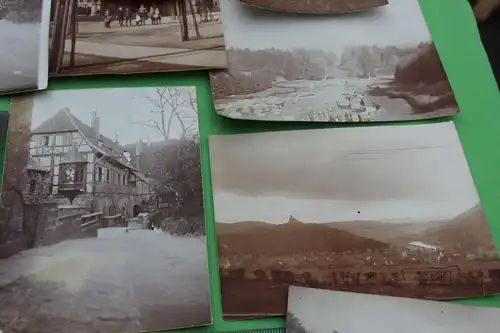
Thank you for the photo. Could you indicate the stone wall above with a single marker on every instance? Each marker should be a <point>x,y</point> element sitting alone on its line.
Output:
<point>110,202</point>
<point>46,224</point>
<point>57,224</point>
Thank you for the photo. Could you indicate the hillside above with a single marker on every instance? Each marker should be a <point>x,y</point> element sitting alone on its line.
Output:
<point>467,232</point>
<point>289,238</point>
<point>371,60</point>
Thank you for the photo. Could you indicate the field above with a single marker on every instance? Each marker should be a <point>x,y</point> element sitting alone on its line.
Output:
<point>248,292</point>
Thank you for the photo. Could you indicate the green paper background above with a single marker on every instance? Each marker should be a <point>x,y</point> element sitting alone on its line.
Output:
<point>456,37</point>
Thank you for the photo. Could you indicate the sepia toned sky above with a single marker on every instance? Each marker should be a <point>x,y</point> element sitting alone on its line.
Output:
<point>119,110</point>
<point>389,173</point>
<point>324,311</point>
<point>399,23</point>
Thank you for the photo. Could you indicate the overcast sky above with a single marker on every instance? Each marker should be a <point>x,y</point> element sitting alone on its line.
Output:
<point>389,173</point>
<point>399,23</point>
<point>324,311</point>
<point>119,110</point>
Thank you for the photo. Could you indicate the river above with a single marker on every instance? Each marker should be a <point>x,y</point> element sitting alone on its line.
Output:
<point>307,100</point>
<point>19,56</point>
<point>118,282</point>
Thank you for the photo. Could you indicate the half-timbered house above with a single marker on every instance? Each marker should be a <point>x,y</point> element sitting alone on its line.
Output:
<point>87,165</point>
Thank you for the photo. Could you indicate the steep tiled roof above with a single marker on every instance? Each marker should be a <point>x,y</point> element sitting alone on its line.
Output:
<point>63,121</point>
<point>34,165</point>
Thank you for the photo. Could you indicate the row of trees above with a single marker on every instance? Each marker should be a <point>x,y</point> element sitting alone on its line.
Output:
<point>253,71</point>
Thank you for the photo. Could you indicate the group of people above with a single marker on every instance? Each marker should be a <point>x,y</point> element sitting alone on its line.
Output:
<point>126,16</point>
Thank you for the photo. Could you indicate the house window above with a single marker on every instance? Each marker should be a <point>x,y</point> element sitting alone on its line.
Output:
<point>67,139</point>
<point>79,175</point>
<point>99,174</point>
<point>45,140</point>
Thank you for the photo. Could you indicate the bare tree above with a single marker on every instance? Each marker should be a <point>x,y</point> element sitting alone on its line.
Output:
<point>183,21</point>
<point>170,107</point>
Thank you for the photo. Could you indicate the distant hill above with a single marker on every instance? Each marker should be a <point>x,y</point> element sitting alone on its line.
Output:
<point>464,233</point>
<point>259,238</point>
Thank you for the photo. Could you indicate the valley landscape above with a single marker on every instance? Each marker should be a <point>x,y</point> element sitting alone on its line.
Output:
<point>318,208</point>
<point>331,70</point>
<point>420,260</point>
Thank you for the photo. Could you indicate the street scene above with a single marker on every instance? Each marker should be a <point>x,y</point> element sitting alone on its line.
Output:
<point>129,37</point>
<point>23,54</point>
<point>370,71</point>
<point>344,222</point>
<point>100,234</point>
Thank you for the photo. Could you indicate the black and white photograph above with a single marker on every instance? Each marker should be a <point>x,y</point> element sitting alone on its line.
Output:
<point>101,218</point>
<point>24,45</point>
<point>390,210</point>
<point>129,36</point>
<point>373,65</point>
<point>310,311</point>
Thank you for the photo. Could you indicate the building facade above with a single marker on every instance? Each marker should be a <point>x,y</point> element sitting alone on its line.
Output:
<point>87,166</point>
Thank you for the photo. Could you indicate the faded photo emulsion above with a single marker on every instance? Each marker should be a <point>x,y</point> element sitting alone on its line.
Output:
<point>389,210</point>
<point>102,226</point>
<point>375,65</point>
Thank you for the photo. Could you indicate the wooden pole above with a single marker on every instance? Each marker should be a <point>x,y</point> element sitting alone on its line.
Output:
<point>63,28</point>
<point>73,32</point>
<point>54,34</point>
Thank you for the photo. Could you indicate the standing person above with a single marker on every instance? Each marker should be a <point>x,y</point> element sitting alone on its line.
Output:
<point>137,18</point>
<point>107,19</point>
<point>142,14</point>
<point>121,16</point>
<point>158,15</point>
<point>127,15</point>
<point>150,14</point>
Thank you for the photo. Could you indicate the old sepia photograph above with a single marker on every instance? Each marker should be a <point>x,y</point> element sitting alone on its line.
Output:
<point>316,6</point>
<point>389,210</point>
<point>375,65</point>
<point>310,310</point>
<point>125,36</point>
<point>101,217</point>
<point>24,45</point>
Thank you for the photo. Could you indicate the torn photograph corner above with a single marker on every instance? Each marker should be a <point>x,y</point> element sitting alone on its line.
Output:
<point>102,224</point>
<point>310,310</point>
<point>376,65</point>
<point>24,45</point>
<point>128,36</point>
<point>316,6</point>
<point>389,210</point>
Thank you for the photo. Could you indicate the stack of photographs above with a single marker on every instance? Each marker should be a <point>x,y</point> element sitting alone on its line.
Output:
<point>102,224</point>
